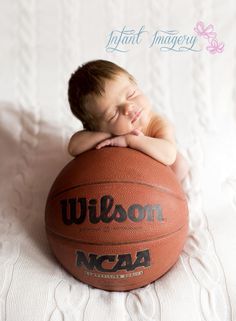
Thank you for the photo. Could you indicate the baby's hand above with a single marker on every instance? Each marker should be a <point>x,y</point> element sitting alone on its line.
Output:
<point>137,132</point>
<point>119,141</point>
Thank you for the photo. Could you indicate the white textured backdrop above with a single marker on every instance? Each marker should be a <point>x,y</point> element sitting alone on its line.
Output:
<point>42,42</point>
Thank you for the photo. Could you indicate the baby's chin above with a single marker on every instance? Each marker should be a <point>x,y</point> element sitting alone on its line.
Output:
<point>122,132</point>
<point>119,133</point>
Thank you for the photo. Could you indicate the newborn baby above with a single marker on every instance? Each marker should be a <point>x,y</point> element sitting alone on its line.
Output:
<point>115,112</point>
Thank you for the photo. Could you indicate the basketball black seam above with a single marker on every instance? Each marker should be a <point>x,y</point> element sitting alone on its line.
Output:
<point>161,189</point>
<point>114,244</point>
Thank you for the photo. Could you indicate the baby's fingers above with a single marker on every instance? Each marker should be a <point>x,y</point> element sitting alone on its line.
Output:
<point>106,142</point>
<point>137,132</point>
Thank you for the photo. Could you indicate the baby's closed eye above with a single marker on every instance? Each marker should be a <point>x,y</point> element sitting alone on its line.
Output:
<point>113,116</point>
<point>131,94</point>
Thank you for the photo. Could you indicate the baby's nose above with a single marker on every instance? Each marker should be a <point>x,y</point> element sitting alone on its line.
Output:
<point>128,108</point>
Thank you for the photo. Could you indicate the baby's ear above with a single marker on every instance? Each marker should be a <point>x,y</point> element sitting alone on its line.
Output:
<point>95,127</point>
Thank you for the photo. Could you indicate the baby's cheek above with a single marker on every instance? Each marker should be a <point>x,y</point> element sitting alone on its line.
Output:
<point>121,128</point>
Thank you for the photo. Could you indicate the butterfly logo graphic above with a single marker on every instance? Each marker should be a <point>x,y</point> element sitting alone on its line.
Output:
<point>205,32</point>
<point>215,47</point>
<point>208,33</point>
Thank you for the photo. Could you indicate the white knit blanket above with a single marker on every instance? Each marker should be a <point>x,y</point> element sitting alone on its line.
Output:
<point>42,42</point>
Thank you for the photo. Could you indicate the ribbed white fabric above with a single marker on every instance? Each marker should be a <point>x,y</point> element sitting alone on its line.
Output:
<point>42,42</point>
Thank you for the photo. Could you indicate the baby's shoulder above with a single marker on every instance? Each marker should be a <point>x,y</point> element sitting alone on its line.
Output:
<point>158,125</point>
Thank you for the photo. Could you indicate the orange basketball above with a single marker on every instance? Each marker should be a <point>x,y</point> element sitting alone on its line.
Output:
<point>116,218</point>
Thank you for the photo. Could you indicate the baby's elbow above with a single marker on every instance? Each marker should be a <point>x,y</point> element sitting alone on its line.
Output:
<point>71,148</point>
<point>171,158</point>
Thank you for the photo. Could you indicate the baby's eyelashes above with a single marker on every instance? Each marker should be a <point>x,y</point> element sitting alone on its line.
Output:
<point>113,116</point>
<point>132,94</point>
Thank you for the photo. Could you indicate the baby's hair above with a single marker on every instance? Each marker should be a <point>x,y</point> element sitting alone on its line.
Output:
<point>89,81</point>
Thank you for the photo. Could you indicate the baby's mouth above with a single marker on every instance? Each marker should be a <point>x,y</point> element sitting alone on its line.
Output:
<point>136,116</point>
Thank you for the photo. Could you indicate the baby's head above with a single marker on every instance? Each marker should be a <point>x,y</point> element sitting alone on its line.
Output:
<point>87,84</point>
<point>105,97</point>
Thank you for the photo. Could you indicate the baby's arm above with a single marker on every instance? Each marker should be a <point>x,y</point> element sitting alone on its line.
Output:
<point>160,144</point>
<point>160,149</point>
<point>84,140</point>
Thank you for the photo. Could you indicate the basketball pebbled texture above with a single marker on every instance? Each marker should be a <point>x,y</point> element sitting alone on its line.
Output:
<point>116,218</point>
